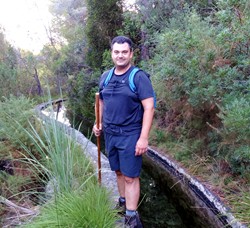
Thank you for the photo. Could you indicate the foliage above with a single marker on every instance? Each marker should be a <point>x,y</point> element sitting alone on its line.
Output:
<point>8,68</point>
<point>189,53</point>
<point>152,18</point>
<point>12,185</point>
<point>235,117</point>
<point>28,70</point>
<point>56,156</point>
<point>90,208</point>
<point>107,62</point>
<point>198,64</point>
<point>15,114</point>
<point>55,68</point>
<point>56,160</point>
<point>55,149</point>
<point>65,55</point>
<point>72,178</point>
<point>131,26</point>
<point>104,19</point>
<point>69,20</point>
<point>82,99</point>
<point>243,207</point>
<point>8,78</point>
<point>18,72</point>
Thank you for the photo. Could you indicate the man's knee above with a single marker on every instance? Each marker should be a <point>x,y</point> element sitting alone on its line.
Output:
<point>130,180</point>
<point>118,173</point>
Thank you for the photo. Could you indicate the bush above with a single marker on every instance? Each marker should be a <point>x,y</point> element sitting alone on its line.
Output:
<point>190,60</point>
<point>91,208</point>
<point>236,133</point>
<point>15,114</point>
<point>82,96</point>
<point>201,64</point>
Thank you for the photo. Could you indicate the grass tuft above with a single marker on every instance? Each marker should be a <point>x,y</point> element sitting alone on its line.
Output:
<point>89,208</point>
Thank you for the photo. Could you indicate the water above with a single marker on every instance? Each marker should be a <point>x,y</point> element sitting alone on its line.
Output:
<point>156,208</point>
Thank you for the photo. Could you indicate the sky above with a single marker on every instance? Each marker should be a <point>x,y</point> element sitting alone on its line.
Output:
<point>24,22</point>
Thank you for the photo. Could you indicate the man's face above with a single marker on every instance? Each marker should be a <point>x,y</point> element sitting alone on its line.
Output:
<point>121,55</point>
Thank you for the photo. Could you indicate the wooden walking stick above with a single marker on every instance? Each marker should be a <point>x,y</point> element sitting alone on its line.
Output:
<point>97,114</point>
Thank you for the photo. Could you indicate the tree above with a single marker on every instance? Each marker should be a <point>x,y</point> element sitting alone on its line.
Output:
<point>29,73</point>
<point>8,68</point>
<point>104,19</point>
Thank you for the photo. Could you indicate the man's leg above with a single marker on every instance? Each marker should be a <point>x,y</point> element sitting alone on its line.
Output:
<point>132,192</point>
<point>121,204</point>
<point>120,183</point>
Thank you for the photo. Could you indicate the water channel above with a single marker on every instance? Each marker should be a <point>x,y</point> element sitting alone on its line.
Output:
<point>164,202</point>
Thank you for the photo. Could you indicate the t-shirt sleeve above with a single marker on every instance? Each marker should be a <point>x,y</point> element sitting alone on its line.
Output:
<point>143,85</point>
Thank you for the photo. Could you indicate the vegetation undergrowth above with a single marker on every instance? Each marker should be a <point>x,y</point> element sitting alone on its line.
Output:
<point>55,160</point>
<point>215,174</point>
<point>88,208</point>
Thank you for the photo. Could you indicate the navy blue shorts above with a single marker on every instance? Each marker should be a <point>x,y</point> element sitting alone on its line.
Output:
<point>121,154</point>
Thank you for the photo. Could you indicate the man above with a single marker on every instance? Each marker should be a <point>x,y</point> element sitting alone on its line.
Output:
<point>126,121</point>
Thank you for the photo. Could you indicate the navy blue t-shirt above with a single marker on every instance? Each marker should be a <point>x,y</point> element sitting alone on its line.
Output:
<point>122,110</point>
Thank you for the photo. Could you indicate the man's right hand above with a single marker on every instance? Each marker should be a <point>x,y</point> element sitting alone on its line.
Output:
<point>97,131</point>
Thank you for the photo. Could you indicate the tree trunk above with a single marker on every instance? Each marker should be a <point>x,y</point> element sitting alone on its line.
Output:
<point>144,48</point>
<point>39,87</point>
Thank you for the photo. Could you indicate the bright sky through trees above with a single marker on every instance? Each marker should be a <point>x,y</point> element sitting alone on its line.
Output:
<point>25,23</point>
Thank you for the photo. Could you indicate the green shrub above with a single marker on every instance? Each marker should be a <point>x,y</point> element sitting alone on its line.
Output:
<point>242,203</point>
<point>91,208</point>
<point>236,133</point>
<point>201,63</point>
<point>15,114</point>
<point>236,120</point>
<point>13,185</point>
<point>82,96</point>
<point>240,160</point>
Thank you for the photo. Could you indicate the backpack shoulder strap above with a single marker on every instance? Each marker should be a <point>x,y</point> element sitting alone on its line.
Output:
<point>132,84</point>
<point>107,79</point>
<point>131,79</point>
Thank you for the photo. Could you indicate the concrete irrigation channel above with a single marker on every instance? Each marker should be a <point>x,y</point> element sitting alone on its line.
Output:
<point>197,206</point>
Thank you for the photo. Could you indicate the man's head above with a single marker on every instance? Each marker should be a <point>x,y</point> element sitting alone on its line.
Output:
<point>121,52</point>
<point>122,40</point>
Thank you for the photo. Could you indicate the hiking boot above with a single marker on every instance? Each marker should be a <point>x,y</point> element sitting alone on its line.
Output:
<point>133,221</point>
<point>120,207</point>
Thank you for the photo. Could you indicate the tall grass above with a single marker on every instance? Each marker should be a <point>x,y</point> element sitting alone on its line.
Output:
<point>243,208</point>
<point>57,159</point>
<point>89,208</point>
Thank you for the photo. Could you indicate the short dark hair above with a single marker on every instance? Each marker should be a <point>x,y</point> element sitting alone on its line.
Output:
<point>122,40</point>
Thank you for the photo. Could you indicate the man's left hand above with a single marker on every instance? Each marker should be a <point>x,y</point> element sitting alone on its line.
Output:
<point>141,146</point>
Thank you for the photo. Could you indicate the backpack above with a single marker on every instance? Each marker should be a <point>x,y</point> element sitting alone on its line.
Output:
<point>130,79</point>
